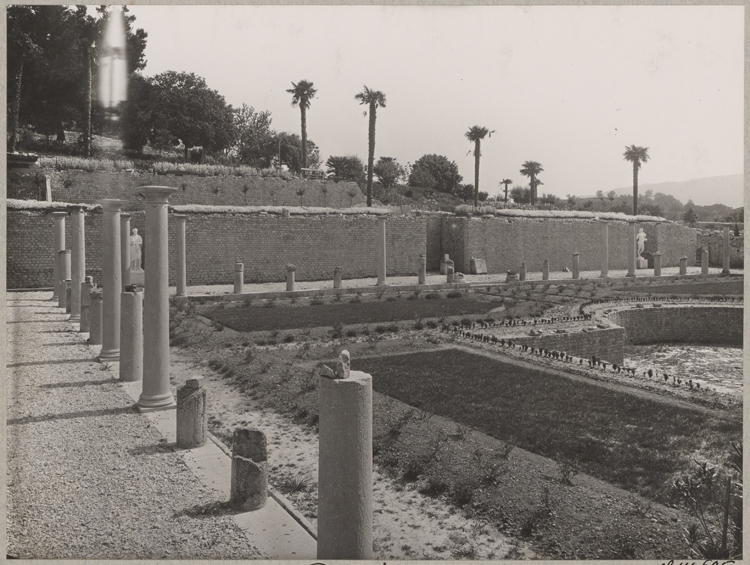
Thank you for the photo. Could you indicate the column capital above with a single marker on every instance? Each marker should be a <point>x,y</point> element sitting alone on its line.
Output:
<point>180,217</point>
<point>656,254</point>
<point>158,194</point>
<point>111,204</point>
<point>75,208</point>
<point>124,216</point>
<point>58,214</point>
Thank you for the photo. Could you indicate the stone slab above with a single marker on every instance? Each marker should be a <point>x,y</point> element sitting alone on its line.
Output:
<point>478,266</point>
<point>641,263</point>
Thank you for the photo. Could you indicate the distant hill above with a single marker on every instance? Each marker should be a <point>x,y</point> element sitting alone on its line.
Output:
<point>725,190</point>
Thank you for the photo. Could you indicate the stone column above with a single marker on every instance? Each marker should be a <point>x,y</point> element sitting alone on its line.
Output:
<point>64,272</point>
<point>239,277</point>
<point>345,468</point>
<point>181,255</point>
<point>657,263</point>
<point>605,251</point>
<point>704,261</point>
<point>683,266</point>
<point>78,261</point>
<point>131,334</point>
<point>727,252</point>
<point>249,480</point>
<point>631,250</point>
<point>576,266</point>
<point>449,272</point>
<point>58,245</point>
<point>124,248</point>
<point>290,268</point>
<point>156,392</point>
<point>381,251</point>
<point>422,274</point>
<point>86,287</point>
<point>191,414</point>
<point>68,292</point>
<point>545,270</point>
<point>95,331</point>
<point>111,280</point>
<point>337,277</point>
<point>522,272</point>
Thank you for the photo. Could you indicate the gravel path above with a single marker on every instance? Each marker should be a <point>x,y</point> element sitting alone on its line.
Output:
<point>88,477</point>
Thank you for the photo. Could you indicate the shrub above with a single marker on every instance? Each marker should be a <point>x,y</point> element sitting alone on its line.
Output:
<point>289,339</point>
<point>351,333</point>
<point>380,329</point>
<point>455,294</point>
<point>432,296</point>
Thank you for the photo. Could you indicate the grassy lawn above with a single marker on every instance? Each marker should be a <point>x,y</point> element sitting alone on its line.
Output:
<point>634,443</point>
<point>260,318</point>
<point>729,287</point>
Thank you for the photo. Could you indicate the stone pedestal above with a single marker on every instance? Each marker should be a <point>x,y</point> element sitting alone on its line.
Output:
<point>95,329</point>
<point>63,270</point>
<point>78,262</point>
<point>443,264</point>
<point>704,261</point>
<point>545,270</point>
<point>191,414</point>
<point>285,212</point>
<point>657,264</point>
<point>156,392</point>
<point>86,287</point>
<point>290,277</point>
<point>345,471</point>
<point>422,274</point>
<point>683,266</point>
<point>478,266</point>
<point>125,249</point>
<point>727,252</point>
<point>249,482</point>
<point>111,280</point>
<point>641,263</point>
<point>522,272</point>
<point>576,265</point>
<point>605,250</point>
<point>337,277</point>
<point>631,250</point>
<point>131,334</point>
<point>181,273</point>
<point>57,246</point>
<point>239,278</point>
<point>381,251</point>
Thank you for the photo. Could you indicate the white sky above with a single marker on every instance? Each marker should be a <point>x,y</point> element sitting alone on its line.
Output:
<point>566,86</point>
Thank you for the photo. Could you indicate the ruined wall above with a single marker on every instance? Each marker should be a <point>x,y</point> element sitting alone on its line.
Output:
<point>607,344</point>
<point>715,244</point>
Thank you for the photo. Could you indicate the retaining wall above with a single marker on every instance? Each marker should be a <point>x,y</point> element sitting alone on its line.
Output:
<point>607,344</point>
<point>715,244</point>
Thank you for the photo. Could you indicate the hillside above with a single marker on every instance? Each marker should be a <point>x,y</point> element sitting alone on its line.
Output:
<point>727,190</point>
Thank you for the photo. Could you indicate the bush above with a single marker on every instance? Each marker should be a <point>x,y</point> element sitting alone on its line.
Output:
<point>289,339</point>
<point>455,294</point>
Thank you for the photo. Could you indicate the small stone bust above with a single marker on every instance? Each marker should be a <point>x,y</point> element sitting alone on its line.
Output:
<point>343,365</point>
<point>290,267</point>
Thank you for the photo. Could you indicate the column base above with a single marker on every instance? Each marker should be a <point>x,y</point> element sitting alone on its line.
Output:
<point>159,402</point>
<point>381,283</point>
<point>726,272</point>
<point>185,294</point>
<point>109,355</point>
<point>604,276</point>
<point>76,319</point>
<point>630,275</point>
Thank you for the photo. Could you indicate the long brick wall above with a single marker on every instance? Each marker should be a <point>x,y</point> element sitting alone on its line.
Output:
<point>265,244</point>
<point>607,344</point>
<point>715,244</point>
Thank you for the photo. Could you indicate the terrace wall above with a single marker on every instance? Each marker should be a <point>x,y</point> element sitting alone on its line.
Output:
<point>607,344</point>
<point>715,244</point>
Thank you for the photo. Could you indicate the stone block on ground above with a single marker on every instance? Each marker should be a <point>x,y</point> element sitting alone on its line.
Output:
<point>478,266</point>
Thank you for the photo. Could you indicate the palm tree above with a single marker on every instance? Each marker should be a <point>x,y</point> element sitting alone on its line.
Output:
<point>636,155</point>
<point>302,93</point>
<point>374,98</point>
<point>475,135</point>
<point>531,169</point>
<point>506,182</point>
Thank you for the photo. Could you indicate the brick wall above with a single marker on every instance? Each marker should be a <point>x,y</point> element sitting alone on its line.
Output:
<point>77,186</point>
<point>715,244</point>
<point>687,324</point>
<point>434,239</point>
<point>265,244</point>
<point>606,344</point>
<point>673,241</point>
<point>455,241</point>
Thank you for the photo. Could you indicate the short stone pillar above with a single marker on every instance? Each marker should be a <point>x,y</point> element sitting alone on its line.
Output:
<point>631,250</point>
<point>522,272</point>
<point>68,292</point>
<point>381,251</point>
<point>337,277</point>
<point>290,269</point>
<point>58,245</point>
<point>192,414</point>
<point>124,249</point>
<point>86,287</point>
<point>605,250</point>
<point>727,252</point>
<point>657,263</point>
<point>78,262</point>
<point>285,212</point>
<point>111,279</point>
<point>131,334</point>
<point>95,323</point>
<point>704,261</point>
<point>239,277</point>
<point>181,274</point>
<point>576,266</point>
<point>545,270</point>
<point>422,273</point>
<point>156,392</point>
<point>249,483</point>
<point>64,272</point>
<point>443,264</point>
<point>449,272</point>
<point>345,515</point>
<point>683,266</point>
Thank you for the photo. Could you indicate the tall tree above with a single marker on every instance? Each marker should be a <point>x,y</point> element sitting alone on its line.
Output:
<point>346,167</point>
<point>475,135</point>
<point>374,99</point>
<point>302,93</point>
<point>636,155</point>
<point>531,169</point>
<point>388,171</point>
<point>22,45</point>
<point>506,182</point>
<point>436,172</point>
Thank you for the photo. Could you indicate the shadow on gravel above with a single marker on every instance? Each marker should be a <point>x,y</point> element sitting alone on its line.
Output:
<point>155,449</point>
<point>80,384</point>
<point>55,344</point>
<point>45,321</point>
<point>208,510</point>
<point>73,415</point>
<point>57,362</point>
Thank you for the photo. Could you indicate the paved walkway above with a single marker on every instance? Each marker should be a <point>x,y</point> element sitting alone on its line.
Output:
<point>90,477</point>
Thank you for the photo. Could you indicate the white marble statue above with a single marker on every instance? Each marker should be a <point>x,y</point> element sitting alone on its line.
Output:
<point>136,243</point>
<point>640,241</point>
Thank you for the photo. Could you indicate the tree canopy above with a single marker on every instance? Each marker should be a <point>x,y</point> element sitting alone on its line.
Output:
<point>388,171</point>
<point>348,168</point>
<point>436,172</point>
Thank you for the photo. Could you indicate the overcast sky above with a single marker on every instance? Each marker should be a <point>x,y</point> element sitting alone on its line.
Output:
<point>566,86</point>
